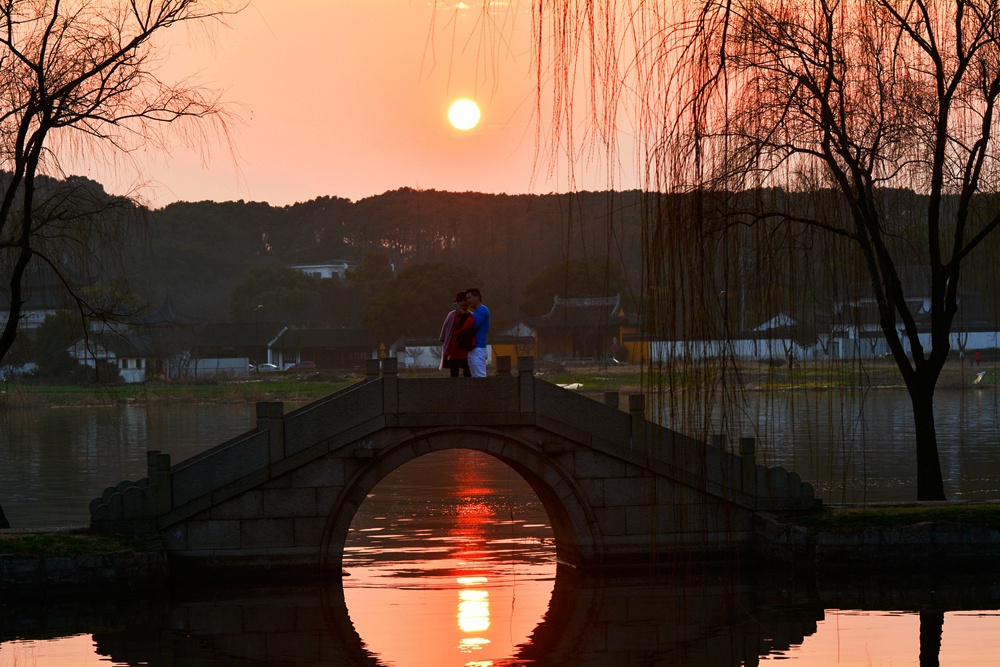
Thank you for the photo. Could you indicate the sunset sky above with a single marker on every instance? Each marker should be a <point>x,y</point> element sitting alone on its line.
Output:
<point>349,98</point>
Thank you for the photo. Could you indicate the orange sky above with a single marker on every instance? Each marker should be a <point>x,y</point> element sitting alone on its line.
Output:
<point>349,98</point>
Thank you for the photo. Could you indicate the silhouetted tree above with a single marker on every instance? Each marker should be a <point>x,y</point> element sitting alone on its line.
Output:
<point>339,306</point>
<point>287,295</point>
<point>371,274</point>
<point>75,77</point>
<point>52,338</point>
<point>415,302</point>
<point>80,77</point>
<point>857,99</point>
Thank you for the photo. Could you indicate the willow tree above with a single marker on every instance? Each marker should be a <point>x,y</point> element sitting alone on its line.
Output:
<point>80,78</point>
<point>859,98</point>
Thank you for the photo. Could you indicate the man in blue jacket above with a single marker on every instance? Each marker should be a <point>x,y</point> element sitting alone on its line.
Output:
<point>481,314</point>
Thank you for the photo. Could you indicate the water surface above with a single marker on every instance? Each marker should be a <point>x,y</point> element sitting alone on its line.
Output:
<point>451,559</point>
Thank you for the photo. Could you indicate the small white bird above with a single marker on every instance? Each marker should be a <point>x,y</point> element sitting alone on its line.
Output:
<point>979,377</point>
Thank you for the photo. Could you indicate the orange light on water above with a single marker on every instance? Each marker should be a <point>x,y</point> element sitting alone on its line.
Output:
<point>56,652</point>
<point>470,644</point>
<point>463,611</point>
<point>473,611</point>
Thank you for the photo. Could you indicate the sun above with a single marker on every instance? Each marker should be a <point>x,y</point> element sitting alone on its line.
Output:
<point>463,114</point>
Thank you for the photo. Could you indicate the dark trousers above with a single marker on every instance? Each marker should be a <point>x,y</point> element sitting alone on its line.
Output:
<point>459,364</point>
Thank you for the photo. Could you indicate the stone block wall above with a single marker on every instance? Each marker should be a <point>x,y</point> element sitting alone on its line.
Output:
<point>31,576</point>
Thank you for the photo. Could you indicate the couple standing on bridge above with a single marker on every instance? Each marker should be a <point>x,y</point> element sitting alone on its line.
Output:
<point>463,335</point>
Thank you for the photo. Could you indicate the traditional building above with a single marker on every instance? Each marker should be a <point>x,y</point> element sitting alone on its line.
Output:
<point>577,328</point>
<point>230,348</point>
<point>331,349</point>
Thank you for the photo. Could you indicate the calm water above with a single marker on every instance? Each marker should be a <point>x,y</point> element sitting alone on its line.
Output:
<point>451,560</point>
<point>857,447</point>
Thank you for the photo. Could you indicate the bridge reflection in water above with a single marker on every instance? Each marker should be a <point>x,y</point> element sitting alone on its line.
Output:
<point>696,621</point>
<point>488,547</point>
<point>617,490</point>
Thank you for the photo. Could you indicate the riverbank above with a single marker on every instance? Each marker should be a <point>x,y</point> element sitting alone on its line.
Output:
<point>590,378</point>
<point>252,390</point>
<point>74,561</point>
<point>759,375</point>
<point>884,538</point>
<point>896,538</point>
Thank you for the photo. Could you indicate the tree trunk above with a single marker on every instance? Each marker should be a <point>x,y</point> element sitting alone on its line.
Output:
<point>930,485</point>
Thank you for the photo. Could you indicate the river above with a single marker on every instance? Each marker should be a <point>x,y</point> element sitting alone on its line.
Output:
<point>450,560</point>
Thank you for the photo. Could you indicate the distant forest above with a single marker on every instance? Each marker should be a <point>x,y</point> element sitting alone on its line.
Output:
<point>200,253</point>
<point>683,264</point>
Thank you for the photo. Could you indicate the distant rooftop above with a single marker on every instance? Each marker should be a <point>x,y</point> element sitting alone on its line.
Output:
<point>325,270</point>
<point>583,311</point>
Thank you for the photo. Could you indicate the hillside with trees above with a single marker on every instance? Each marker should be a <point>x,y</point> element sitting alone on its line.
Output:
<point>202,254</point>
<point>411,250</point>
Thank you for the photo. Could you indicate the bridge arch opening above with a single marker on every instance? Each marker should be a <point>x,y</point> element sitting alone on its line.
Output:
<point>460,546</point>
<point>568,514</point>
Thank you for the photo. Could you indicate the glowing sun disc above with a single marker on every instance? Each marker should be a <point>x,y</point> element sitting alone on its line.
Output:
<point>463,114</point>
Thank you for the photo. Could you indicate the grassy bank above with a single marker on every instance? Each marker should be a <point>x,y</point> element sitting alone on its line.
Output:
<point>757,375</point>
<point>591,379</point>
<point>843,520</point>
<point>65,544</point>
<point>270,388</point>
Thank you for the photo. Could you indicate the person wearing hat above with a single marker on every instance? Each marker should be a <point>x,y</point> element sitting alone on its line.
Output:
<point>456,337</point>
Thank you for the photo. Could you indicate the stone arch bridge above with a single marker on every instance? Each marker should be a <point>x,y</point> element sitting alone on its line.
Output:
<point>618,488</point>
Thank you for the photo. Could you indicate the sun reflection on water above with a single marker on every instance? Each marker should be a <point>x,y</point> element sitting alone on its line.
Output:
<point>473,613</point>
<point>464,562</point>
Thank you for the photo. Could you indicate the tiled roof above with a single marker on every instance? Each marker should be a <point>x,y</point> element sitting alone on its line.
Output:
<point>582,312</point>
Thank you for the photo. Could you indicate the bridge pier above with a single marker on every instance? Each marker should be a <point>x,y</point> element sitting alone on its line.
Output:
<point>503,365</point>
<point>637,413</point>
<point>748,455</point>
<point>526,383</point>
<point>271,419</point>
<point>158,467</point>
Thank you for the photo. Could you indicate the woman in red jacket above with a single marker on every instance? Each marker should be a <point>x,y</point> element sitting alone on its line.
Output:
<point>456,334</point>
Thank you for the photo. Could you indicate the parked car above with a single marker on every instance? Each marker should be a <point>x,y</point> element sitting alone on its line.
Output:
<point>303,366</point>
<point>264,368</point>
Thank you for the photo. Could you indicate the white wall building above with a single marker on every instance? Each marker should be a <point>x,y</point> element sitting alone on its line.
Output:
<point>333,269</point>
